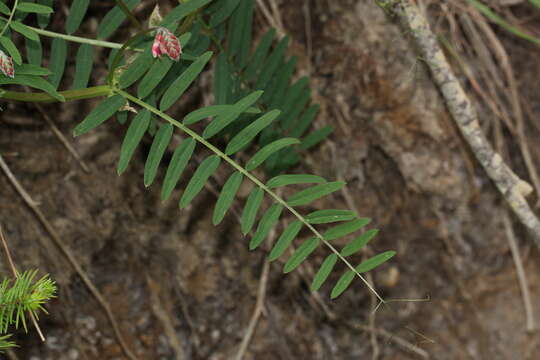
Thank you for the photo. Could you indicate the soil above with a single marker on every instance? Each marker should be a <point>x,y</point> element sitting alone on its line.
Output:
<point>181,288</point>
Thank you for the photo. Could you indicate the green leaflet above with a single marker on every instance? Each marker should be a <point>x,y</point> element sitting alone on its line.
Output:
<point>4,9</point>
<point>371,263</point>
<point>155,74</point>
<point>207,111</point>
<point>305,121</point>
<point>359,242</point>
<point>29,69</point>
<point>57,62</point>
<point>179,160</point>
<point>293,94</point>
<point>325,270</point>
<point>345,229</point>
<point>180,85</point>
<point>102,112</point>
<point>257,59</point>
<point>34,52</point>
<point>284,180</point>
<point>278,91</point>
<point>316,137</point>
<point>343,283</point>
<point>246,135</point>
<point>34,82</point>
<point>301,254</point>
<point>285,240</point>
<point>272,63</point>
<point>181,11</point>
<point>136,69</point>
<point>114,19</point>
<point>83,66</point>
<point>223,12</point>
<point>11,49</point>
<point>222,79</point>
<point>292,113</point>
<point>267,222</point>
<point>313,193</point>
<point>33,8</point>
<point>250,209</point>
<point>268,150</point>
<point>330,216</point>
<point>76,15</point>
<point>196,183</point>
<point>375,261</point>
<point>43,19</point>
<point>159,145</point>
<point>225,119</point>
<point>133,137</point>
<point>226,197</point>
<point>24,30</point>
<point>240,32</point>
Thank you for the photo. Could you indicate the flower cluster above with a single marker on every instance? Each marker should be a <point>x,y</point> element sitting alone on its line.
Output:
<point>166,43</point>
<point>6,65</point>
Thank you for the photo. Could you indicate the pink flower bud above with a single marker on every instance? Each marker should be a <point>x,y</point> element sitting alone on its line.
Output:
<point>166,43</point>
<point>6,65</point>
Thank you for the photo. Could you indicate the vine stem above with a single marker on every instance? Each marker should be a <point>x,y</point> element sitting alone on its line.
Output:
<point>41,97</point>
<point>10,17</point>
<point>78,39</point>
<point>246,173</point>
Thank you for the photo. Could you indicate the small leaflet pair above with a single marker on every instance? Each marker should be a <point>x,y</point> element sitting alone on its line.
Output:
<point>166,43</point>
<point>6,65</point>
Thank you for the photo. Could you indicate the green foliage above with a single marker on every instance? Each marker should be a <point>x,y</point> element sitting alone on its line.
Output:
<point>259,108</point>
<point>21,299</point>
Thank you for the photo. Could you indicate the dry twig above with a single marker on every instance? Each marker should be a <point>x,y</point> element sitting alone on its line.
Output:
<point>462,110</point>
<point>522,277</point>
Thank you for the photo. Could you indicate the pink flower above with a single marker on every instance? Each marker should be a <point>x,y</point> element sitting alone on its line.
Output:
<point>166,43</point>
<point>6,65</point>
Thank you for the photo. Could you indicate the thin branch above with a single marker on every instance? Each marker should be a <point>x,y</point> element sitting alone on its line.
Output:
<point>522,277</point>
<point>122,5</point>
<point>462,110</point>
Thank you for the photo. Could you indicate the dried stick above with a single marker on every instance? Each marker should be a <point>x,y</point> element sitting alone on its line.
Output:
<point>462,110</point>
<point>15,275</point>
<point>522,277</point>
<point>259,306</point>
<point>69,256</point>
